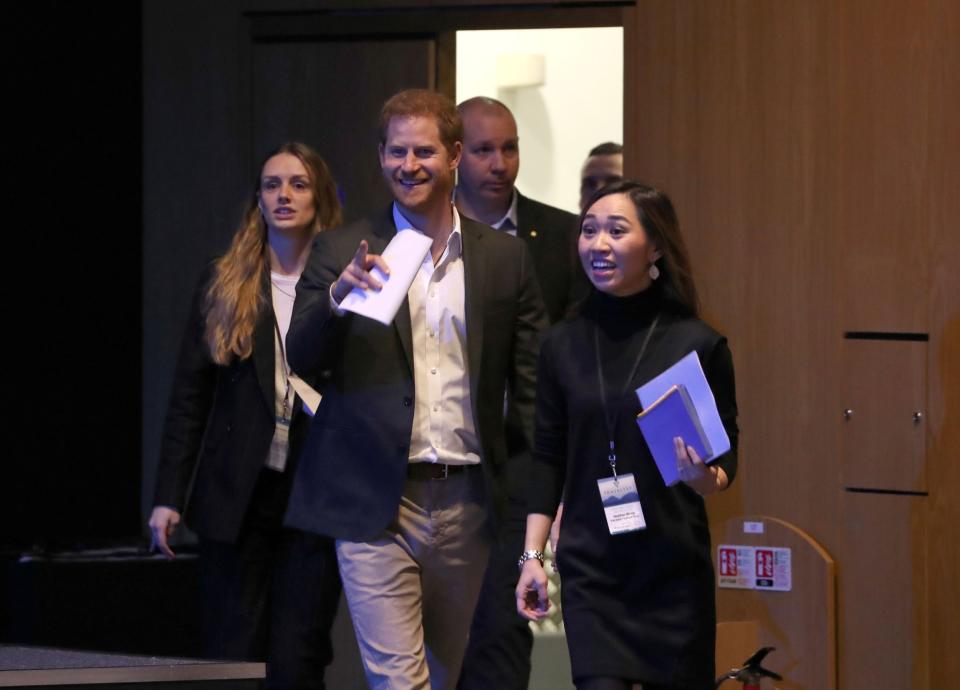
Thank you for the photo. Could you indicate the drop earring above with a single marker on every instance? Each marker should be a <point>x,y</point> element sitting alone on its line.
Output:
<point>654,272</point>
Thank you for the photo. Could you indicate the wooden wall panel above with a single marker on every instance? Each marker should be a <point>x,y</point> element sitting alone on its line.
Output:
<point>943,440</point>
<point>882,445</point>
<point>885,133</point>
<point>883,592</point>
<point>812,153</point>
<point>943,544</point>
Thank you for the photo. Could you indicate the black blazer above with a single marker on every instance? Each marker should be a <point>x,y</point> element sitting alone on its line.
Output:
<point>219,425</point>
<point>551,235</point>
<point>351,474</point>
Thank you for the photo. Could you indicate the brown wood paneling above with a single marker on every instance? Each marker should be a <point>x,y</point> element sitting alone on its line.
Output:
<point>883,588</point>
<point>884,386</point>
<point>943,440</point>
<point>811,149</point>
<point>736,641</point>
<point>943,543</point>
<point>884,73</point>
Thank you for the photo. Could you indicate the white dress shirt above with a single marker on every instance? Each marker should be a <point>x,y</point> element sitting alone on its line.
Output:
<point>283,289</point>
<point>509,221</point>
<point>443,428</point>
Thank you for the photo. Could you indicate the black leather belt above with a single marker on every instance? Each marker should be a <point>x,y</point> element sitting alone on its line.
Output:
<point>433,470</point>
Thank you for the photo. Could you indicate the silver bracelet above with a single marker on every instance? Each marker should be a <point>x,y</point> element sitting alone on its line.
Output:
<point>530,555</point>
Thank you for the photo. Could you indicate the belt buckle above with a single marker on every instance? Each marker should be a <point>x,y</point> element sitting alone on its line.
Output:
<point>446,472</point>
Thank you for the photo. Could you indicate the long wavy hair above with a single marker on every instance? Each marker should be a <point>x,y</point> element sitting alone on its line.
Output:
<point>234,299</point>
<point>659,220</point>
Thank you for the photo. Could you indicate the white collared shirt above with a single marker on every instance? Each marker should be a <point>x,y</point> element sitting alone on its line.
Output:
<point>443,428</point>
<point>510,215</point>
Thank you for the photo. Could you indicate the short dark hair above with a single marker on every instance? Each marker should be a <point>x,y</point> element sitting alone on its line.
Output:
<point>659,220</point>
<point>607,148</point>
<point>424,103</point>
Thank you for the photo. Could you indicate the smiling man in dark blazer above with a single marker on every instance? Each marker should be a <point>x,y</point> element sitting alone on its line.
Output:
<point>501,641</point>
<point>405,460</point>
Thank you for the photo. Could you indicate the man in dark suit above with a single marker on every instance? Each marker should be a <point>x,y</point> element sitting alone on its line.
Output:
<point>500,641</point>
<point>405,460</point>
<point>486,192</point>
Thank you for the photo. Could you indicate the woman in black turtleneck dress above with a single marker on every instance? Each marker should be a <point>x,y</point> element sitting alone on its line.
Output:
<point>638,607</point>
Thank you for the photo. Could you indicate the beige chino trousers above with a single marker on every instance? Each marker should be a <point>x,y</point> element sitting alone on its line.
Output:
<point>412,590</point>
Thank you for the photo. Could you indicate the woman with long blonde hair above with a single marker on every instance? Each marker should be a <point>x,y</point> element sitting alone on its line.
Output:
<point>233,432</point>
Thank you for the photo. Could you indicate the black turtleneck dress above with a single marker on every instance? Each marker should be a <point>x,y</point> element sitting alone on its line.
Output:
<point>638,605</point>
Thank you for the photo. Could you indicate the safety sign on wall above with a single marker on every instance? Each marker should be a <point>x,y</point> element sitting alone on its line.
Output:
<point>753,567</point>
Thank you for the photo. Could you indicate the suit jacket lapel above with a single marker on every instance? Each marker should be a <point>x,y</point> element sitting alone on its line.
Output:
<point>263,346</point>
<point>525,219</point>
<point>382,234</point>
<point>475,270</point>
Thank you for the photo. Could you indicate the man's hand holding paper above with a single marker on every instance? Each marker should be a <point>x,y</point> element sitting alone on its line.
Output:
<point>379,284</point>
<point>358,274</point>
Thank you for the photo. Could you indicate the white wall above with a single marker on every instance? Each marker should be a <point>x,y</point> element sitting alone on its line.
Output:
<point>579,104</point>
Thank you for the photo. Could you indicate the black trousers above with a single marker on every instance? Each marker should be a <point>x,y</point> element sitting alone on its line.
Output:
<point>498,654</point>
<point>271,596</point>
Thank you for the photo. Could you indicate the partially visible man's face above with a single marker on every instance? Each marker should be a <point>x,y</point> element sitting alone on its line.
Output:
<point>491,157</point>
<point>416,166</point>
<point>598,172</point>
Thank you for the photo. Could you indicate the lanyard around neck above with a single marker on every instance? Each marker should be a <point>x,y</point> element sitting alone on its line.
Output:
<point>609,419</point>
<point>285,369</point>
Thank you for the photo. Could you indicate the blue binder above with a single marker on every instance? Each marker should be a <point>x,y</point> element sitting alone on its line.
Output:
<point>679,402</point>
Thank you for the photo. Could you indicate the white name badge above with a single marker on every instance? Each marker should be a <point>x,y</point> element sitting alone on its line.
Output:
<point>277,459</point>
<point>621,504</point>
